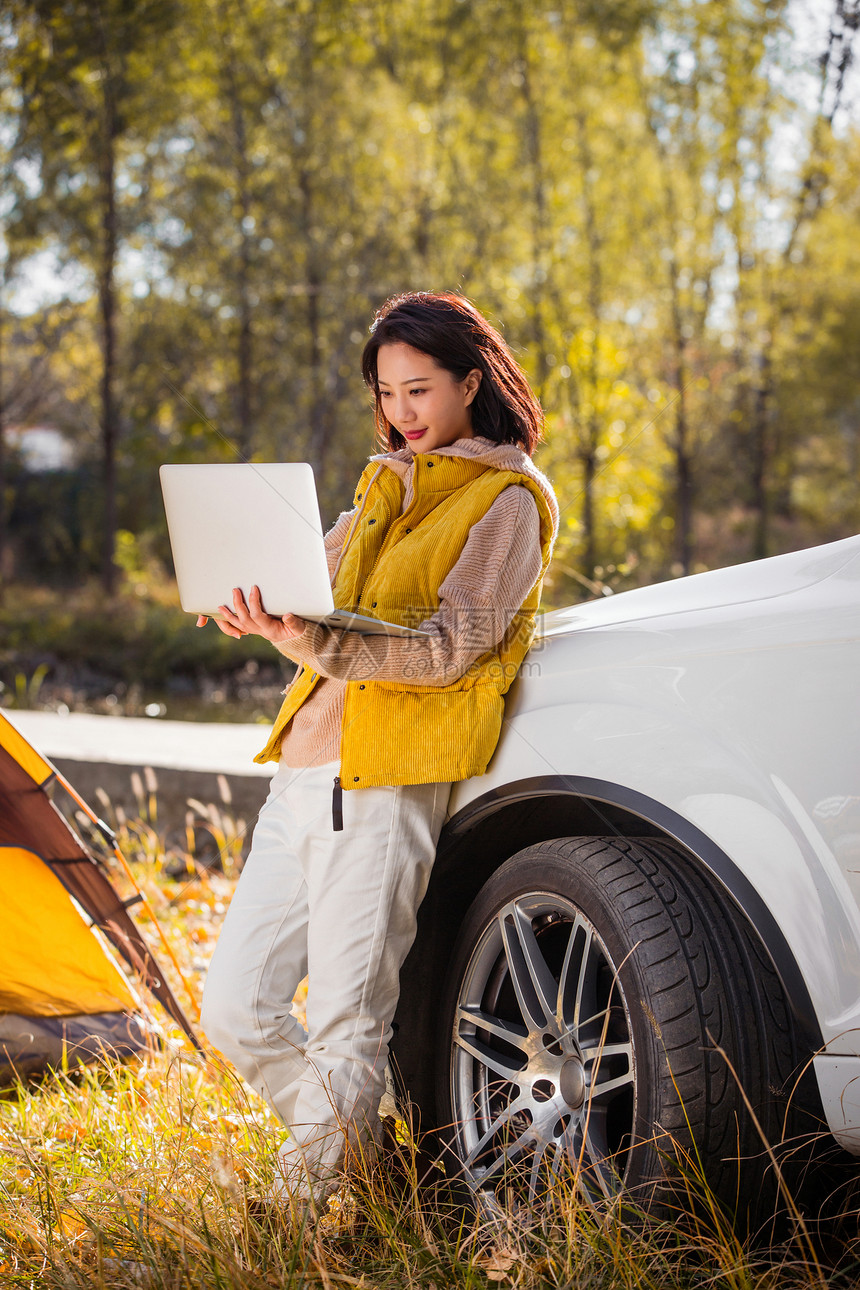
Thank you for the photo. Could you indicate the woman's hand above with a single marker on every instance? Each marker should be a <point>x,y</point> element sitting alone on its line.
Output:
<point>252,620</point>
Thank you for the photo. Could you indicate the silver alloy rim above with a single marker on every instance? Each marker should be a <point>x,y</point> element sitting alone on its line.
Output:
<point>542,1061</point>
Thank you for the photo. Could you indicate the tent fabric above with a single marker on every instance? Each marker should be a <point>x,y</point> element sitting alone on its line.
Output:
<point>24,753</point>
<point>28,819</point>
<point>50,965</point>
<point>30,1045</point>
<point>62,994</point>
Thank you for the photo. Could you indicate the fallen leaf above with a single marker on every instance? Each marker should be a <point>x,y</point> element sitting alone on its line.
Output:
<point>70,1132</point>
<point>71,1225</point>
<point>497,1264</point>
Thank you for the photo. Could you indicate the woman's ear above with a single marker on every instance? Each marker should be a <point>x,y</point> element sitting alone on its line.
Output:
<point>471,382</point>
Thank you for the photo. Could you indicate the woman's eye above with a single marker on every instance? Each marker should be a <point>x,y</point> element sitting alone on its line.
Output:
<point>417,391</point>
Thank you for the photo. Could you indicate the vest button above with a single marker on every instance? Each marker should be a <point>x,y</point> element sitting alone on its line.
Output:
<point>430,463</point>
<point>408,530</point>
<point>373,606</point>
<point>355,779</point>
<point>361,687</point>
<point>358,497</point>
<point>371,521</point>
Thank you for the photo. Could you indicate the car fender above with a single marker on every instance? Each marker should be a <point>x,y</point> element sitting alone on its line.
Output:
<point>741,824</point>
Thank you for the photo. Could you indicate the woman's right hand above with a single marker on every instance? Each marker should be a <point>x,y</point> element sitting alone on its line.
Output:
<point>222,626</point>
<point>251,618</point>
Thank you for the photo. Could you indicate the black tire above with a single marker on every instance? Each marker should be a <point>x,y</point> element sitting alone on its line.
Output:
<point>679,1009</point>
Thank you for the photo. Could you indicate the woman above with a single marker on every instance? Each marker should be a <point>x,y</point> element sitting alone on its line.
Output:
<point>452,531</point>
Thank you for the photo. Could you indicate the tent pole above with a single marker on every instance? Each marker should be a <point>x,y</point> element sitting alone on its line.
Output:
<point>108,834</point>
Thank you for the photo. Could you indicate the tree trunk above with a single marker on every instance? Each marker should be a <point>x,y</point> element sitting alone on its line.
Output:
<point>107,308</point>
<point>761,453</point>
<point>591,430</point>
<point>808,202</point>
<point>318,421</point>
<point>3,519</point>
<point>244,348</point>
<point>245,352</point>
<point>539,238</point>
<point>684,495</point>
<point>681,444</point>
<point>589,547</point>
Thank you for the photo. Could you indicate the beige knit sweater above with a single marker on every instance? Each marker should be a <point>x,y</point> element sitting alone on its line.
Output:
<point>498,567</point>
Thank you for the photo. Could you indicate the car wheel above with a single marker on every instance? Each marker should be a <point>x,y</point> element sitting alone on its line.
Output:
<point>603,1011</point>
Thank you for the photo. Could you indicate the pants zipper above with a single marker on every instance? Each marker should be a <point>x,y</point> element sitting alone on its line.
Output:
<point>337,806</point>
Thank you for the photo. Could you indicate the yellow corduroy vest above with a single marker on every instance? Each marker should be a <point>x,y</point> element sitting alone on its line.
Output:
<point>392,566</point>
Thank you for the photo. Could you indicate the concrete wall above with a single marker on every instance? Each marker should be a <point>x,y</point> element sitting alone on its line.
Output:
<point>173,789</point>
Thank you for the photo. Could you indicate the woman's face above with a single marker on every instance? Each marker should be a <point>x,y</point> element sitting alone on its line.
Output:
<point>422,400</point>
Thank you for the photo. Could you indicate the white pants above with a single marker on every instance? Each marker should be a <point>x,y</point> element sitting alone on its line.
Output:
<point>341,909</point>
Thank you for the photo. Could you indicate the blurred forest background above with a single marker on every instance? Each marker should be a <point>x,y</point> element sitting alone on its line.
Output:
<point>204,202</point>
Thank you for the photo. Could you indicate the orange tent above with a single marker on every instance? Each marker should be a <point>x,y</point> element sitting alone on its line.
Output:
<point>64,932</point>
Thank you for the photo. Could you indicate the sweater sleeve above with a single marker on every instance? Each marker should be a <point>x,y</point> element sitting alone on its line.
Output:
<point>499,565</point>
<point>335,539</point>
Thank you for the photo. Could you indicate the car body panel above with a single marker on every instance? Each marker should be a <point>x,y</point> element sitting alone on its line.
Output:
<point>839,1086</point>
<point>759,581</point>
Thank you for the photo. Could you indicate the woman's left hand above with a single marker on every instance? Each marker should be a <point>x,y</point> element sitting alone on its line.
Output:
<point>251,619</point>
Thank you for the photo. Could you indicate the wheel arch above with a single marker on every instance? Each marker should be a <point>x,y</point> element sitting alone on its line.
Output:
<point>489,829</point>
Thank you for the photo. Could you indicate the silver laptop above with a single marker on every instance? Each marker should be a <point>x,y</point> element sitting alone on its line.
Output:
<point>254,524</point>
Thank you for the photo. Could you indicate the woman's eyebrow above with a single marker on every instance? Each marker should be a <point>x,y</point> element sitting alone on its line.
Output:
<point>413,380</point>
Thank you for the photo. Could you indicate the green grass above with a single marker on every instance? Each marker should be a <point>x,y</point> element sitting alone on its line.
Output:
<point>151,1173</point>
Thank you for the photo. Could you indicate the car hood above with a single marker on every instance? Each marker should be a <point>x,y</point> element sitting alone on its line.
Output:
<point>758,580</point>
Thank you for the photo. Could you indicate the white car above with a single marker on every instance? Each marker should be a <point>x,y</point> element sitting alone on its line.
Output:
<point>650,901</point>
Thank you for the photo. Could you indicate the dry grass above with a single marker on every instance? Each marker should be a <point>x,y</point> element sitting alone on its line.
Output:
<point>151,1174</point>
